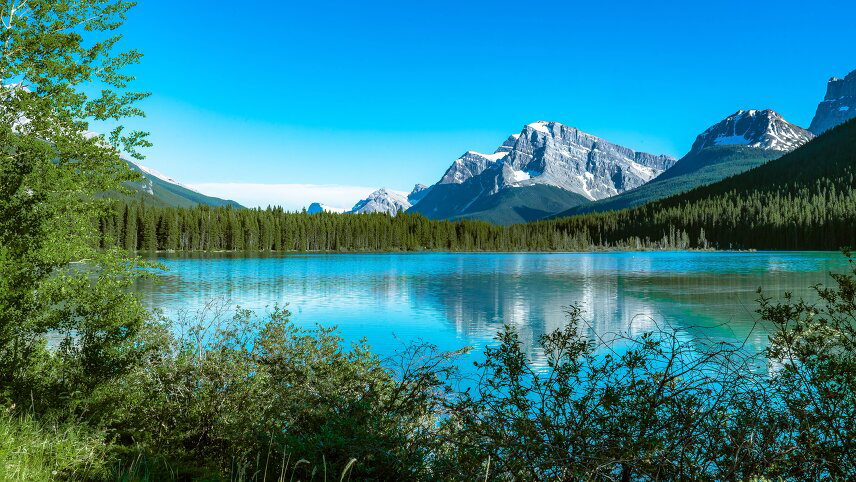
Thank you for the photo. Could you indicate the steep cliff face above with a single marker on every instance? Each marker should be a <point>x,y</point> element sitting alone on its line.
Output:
<point>581,165</point>
<point>838,106</point>
<point>473,163</point>
<point>553,154</point>
<point>742,141</point>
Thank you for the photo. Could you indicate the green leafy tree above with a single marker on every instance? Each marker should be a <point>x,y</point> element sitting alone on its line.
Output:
<point>60,72</point>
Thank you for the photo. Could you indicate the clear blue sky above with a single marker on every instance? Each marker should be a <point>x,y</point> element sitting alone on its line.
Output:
<point>373,94</point>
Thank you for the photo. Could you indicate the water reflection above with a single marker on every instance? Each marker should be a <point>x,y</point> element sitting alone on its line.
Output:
<point>454,300</point>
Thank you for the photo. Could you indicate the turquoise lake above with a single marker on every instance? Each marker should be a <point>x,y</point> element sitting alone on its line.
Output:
<point>461,299</point>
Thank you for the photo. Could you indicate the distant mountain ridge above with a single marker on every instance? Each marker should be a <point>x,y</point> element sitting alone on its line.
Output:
<point>382,201</point>
<point>160,189</point>
<point>547,161</point>
<point>804,200</point>
<point>741,141</point>
<point>762,129</point>
<point>418,193</point>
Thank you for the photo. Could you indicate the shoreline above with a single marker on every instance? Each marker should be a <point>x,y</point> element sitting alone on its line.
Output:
<point>428,251</point>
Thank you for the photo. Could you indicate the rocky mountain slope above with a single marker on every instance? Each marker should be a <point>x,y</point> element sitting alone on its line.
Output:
<point>382,201</point>
<point>418,193</point>
<point>741,141</point>
<point>555,166</point>
<point>838,106</point>
<point>804,200</point>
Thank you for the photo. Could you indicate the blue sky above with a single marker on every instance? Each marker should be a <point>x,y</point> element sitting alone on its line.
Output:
<point>264,101</point>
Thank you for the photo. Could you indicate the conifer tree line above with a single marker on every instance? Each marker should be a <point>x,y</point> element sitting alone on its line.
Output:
<point>805,200</point>
<point>800,218</point>
<point>818,217</point>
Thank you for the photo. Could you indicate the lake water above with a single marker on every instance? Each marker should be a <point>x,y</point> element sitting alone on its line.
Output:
<point>457,300</point>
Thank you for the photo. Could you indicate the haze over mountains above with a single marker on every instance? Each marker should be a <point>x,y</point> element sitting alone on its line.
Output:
<point>550,169</point>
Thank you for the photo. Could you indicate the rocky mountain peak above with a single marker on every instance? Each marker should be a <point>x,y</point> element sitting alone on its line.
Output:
<point>764,129</point>
<point>554,154</point>
<point>838,106</point>
<point>419,191</point>
<point>544,159</point>
<point>382,201</point>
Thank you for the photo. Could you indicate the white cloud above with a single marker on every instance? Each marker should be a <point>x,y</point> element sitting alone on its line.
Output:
<point>292,197</point>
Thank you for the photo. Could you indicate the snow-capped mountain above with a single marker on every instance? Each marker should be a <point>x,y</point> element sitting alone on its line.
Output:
<point>553,154</point>
<point>382,201</point>
<point>764,129</point>
<point>838,106</point>
<point>741,141</point>
<point>578,165</point>
<point>316,208</point>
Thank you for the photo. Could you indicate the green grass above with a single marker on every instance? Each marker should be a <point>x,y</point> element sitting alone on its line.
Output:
<point>33,451</point>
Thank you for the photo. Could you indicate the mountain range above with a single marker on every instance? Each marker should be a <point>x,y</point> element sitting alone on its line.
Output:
<point>741,141</point>
<point>546,168</point>
<point>550,170</point>
<point>804,200</point>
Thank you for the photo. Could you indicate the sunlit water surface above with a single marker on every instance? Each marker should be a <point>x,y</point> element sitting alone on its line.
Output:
<point>457,300</point>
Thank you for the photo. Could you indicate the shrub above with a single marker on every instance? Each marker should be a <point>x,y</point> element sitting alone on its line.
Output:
<point>238,396</point>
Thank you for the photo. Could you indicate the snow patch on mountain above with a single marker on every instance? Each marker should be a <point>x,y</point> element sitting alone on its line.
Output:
<point>518,176</point>
<point>540,126</point>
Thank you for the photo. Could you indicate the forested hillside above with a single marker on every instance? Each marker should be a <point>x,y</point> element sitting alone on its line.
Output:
<point>804,200</point>
<point>696,169</point>
<point>158,189</point>
<point>738,143</point>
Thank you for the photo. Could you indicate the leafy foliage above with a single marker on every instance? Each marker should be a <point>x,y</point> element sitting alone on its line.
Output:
<point>53,280</point>
<point>238,395</point>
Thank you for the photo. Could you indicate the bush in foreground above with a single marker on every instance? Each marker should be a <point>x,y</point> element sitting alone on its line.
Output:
<point>241,397</point>
<point>215,397</point>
